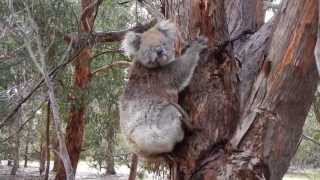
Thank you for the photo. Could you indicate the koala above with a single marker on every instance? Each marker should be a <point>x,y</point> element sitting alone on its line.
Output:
<point>150,118</point>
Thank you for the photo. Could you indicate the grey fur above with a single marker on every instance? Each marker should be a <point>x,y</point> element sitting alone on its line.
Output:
<point>153,48</point>
<point>149,116</point>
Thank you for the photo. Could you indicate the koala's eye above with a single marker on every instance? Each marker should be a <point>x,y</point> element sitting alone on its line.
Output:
<point>165,44</point>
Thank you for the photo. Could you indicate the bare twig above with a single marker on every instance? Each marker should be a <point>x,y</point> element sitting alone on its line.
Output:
<point>102,37</point>
<point>32,114</point>
<point>124,2</point>
<point>52,74</point>
<point>151,9</point>
<point>310,139</point>
<point>99,71</point>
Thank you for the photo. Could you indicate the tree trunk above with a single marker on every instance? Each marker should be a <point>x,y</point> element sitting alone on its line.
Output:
<point>16,145</point>
<point>56,157</point>
<point>250,98</point>
<point>133,167</point>
<point>82,76</point>
<point>42,159</point>
<point>46,176</point>
<point>110,149</point>
<point>26,151</point>
<point>316,107</point>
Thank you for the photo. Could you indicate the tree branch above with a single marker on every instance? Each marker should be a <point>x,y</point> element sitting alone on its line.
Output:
<point>103,37</point>
<point>52,74</point>
<point>151,9</point>
<point>310,139</point>
<point>102,69</point>
<point>33,113</point>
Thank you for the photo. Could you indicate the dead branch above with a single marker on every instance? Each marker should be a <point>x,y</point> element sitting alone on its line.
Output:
<point>113,36</point>
<point>53,73</point>
<point>310,139</point>
<point>32,114</point>
<point>122,64</point>
<point>151,9</point>
<point>271,5</point>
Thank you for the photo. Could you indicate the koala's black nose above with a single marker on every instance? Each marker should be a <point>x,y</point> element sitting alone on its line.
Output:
<point>159,52</point>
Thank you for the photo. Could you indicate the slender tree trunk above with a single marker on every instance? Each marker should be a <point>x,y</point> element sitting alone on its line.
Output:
<point>133,167</point>
<point>16,146</point>
<point>79,95</point>
<point>110,150</point>
<point>26,151</point>
<point>251,97</point>
<point>42,159</point>
<point>110,163</point>
<point>15,155</point>
<point>316,107</point>
<point>55,157</point>
<point>46,176</point>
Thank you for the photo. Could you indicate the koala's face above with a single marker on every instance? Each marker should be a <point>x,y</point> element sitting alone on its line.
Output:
<point>154,47</point>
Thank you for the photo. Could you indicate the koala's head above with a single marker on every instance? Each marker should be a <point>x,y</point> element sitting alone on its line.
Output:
<point>154,47</point>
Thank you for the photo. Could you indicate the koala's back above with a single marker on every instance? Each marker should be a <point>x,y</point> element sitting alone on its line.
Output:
<point>150,83</point>
<point>148,120</point>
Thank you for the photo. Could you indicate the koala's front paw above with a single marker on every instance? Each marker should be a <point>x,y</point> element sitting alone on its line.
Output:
<point>200,43</point>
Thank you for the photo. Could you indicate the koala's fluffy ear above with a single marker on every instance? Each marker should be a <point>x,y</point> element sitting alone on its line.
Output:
<point>168,28</point>
<point>131,43</point>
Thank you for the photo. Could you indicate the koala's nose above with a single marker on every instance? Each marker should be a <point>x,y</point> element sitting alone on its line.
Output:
<point>159,52</point>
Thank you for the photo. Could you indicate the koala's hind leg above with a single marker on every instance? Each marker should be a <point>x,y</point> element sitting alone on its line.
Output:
<point>186,120</point>
<point>160,128</point>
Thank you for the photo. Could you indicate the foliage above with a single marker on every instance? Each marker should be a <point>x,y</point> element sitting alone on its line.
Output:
<point>308,154</point>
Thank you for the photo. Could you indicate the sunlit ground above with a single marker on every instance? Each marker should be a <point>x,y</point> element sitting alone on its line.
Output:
<point>303,175</point>
<point>85,172</point>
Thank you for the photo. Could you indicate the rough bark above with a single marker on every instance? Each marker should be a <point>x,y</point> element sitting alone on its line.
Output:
<point>250,98</point>
<point>109,151</point>
<point>317,48</point>
<point>79,95</point>
<point>133,167</point>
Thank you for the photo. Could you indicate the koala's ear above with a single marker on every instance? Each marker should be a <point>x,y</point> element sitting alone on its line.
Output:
<point>131,43</point>
<point>168,28</point>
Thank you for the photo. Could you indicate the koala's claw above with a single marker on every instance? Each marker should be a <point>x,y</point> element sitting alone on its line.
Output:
<point>200,43</point>
<point>202,39</point>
